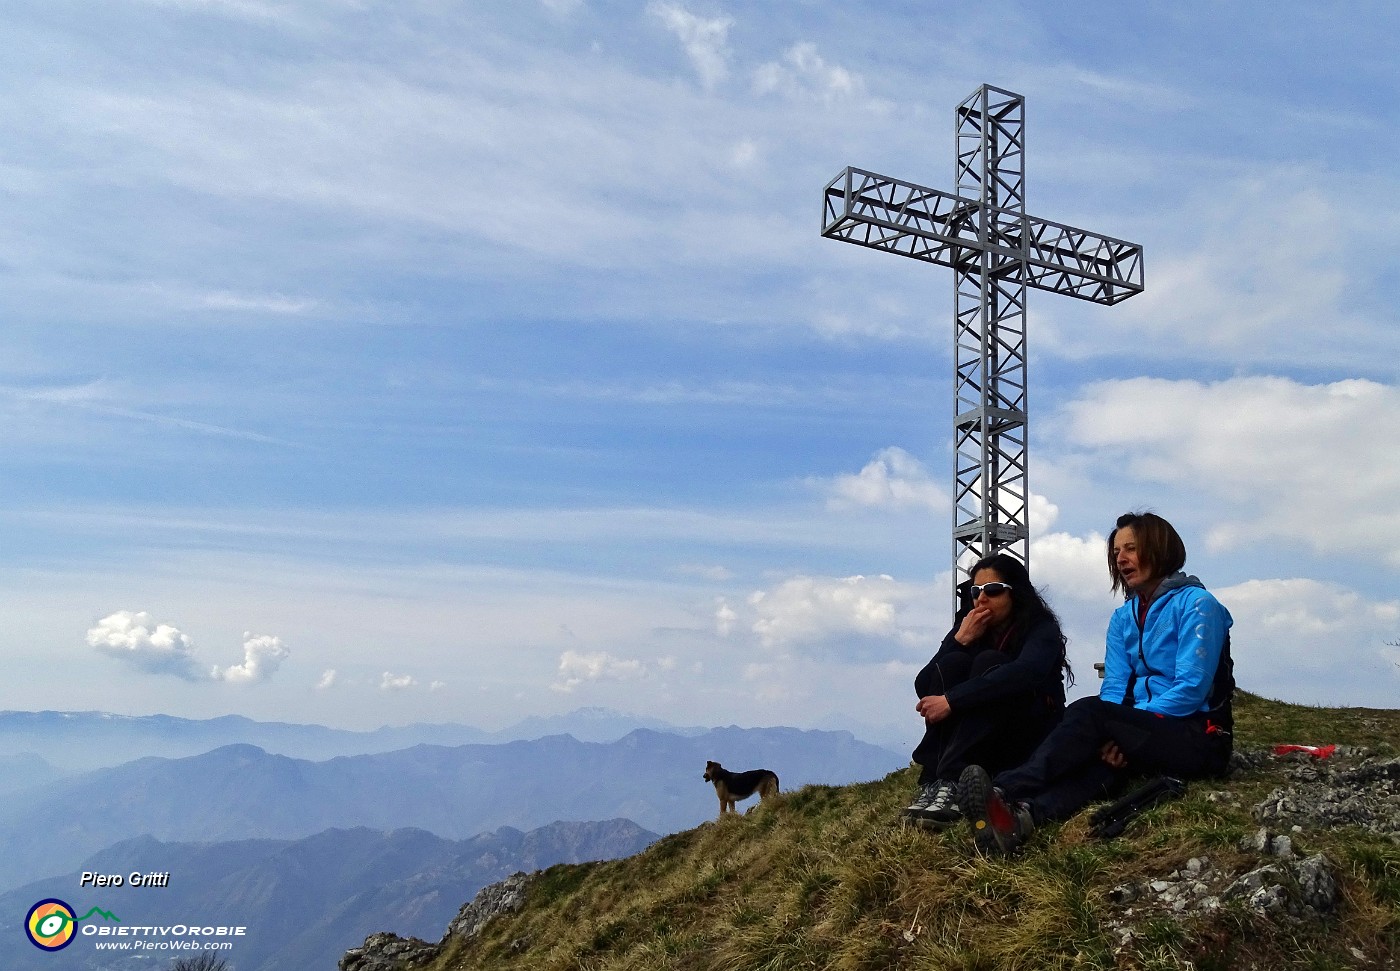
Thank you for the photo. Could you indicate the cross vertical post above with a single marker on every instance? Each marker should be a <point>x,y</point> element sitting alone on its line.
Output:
<point>991,490</point>
<point>996,252</point>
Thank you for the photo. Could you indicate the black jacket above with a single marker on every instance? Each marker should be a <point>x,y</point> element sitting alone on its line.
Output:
<point>1034,669</point>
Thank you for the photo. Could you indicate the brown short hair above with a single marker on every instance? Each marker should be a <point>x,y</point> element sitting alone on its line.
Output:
<point>1160,549</point>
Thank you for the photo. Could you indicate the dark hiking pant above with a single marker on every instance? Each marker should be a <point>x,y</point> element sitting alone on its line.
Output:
<point>1066,772</point>
<point>995,735</point>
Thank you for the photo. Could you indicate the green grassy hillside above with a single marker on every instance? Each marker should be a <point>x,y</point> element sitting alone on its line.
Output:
<point>828,878</point>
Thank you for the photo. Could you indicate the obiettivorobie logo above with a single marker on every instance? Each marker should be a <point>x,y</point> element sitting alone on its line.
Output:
<point>51,925</point>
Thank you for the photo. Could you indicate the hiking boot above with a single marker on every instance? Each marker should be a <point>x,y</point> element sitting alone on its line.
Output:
<point>935,807</point>
<point>925,797</point>
<point>999,826</point>
<point>943,809</point>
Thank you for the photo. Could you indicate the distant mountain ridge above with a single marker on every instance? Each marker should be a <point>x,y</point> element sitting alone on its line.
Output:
<point>242,792</point>
<point>304,901</point>
<point>85,740</point>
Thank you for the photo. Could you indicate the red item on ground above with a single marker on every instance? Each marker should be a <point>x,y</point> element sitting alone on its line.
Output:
<point>1316,751</point>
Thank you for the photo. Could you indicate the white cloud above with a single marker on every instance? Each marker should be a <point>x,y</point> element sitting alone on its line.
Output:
<point>856,614</point>
<point>47,410</point>
<point>1227,295</point>
<point>1262,268</point>
<point>893,479</point>
<point>262,656</point>
<point>705,571</point>
<point>725,617</point>
<point>396,682</point>
<point>1043,514</point>
<point>1278,458</point>
<point>705,41</point>
<point>1313,642</point>
<point>328,679</point>
<point>270,303</point>
<point>803,73</point>
<point>254,10</point>
<point>136,638</point>
<point>1073,567</point>
<point>576,668</point>
<point>744,154</point>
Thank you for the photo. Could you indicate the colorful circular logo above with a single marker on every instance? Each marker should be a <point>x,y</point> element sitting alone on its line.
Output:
<point>50,924</point>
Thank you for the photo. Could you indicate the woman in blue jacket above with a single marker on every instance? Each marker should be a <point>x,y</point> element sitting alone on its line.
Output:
<point>994,689</point>
<point>1164,705</point>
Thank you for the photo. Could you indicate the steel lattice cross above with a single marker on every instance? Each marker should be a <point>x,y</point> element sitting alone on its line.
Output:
<point>996,251</point>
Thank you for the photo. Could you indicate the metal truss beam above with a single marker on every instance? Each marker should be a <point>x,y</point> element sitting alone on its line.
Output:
<point>937,227</point>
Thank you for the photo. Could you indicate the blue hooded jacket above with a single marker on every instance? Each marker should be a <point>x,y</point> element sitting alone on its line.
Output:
<point>1169,662</point>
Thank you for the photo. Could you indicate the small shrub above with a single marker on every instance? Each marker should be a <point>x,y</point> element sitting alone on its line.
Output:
<point>204,962</point>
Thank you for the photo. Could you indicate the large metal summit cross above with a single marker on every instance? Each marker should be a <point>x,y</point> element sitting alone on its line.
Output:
<point>996,251</point>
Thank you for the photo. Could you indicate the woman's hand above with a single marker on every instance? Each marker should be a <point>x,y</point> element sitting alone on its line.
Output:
<point>974,625</point>
<point>934,708</point>
<point>1113,755</point>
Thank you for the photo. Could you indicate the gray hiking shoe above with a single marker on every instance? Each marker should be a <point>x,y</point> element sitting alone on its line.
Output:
<point>922,800</point>
<point>943,809</point>
<point>935,806</point>
<point>999,826</point>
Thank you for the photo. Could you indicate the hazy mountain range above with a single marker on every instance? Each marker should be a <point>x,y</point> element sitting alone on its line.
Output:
<point>240,792</point>
<point>314,837</point>
<point>304,902</point>
<point>82,740</point>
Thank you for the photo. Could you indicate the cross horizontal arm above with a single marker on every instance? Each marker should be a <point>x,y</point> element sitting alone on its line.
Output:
<point>937,227</point>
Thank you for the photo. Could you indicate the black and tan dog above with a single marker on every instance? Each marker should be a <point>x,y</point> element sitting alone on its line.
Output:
<point>731,787</point>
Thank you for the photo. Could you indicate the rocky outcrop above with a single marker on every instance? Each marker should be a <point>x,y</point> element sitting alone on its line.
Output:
<point>505,897</point>
<point>389,952</point>
<point>1323,794</point>
<point>1284,888</point>
<point>1280,884</point>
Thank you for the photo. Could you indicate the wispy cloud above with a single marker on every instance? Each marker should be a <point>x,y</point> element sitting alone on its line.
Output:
<point>804,73</point>
<point>1262,266</point>
<point>258,11</point>
<point>705,40</point>
<point>103,397</point>
<point>893,479</point>
<point>855,616</point>
<point>389,681</point>
<point>576,668</point>
<point>273,303</point>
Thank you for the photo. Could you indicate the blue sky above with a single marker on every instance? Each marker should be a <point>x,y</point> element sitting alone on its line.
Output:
<point>368,363</point>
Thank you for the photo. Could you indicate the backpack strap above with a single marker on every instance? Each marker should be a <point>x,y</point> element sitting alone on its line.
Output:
<point>1219,702</point>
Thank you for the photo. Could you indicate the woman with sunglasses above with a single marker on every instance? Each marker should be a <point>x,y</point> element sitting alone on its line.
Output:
<point>1164,706</point>
<point>994,689</point>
